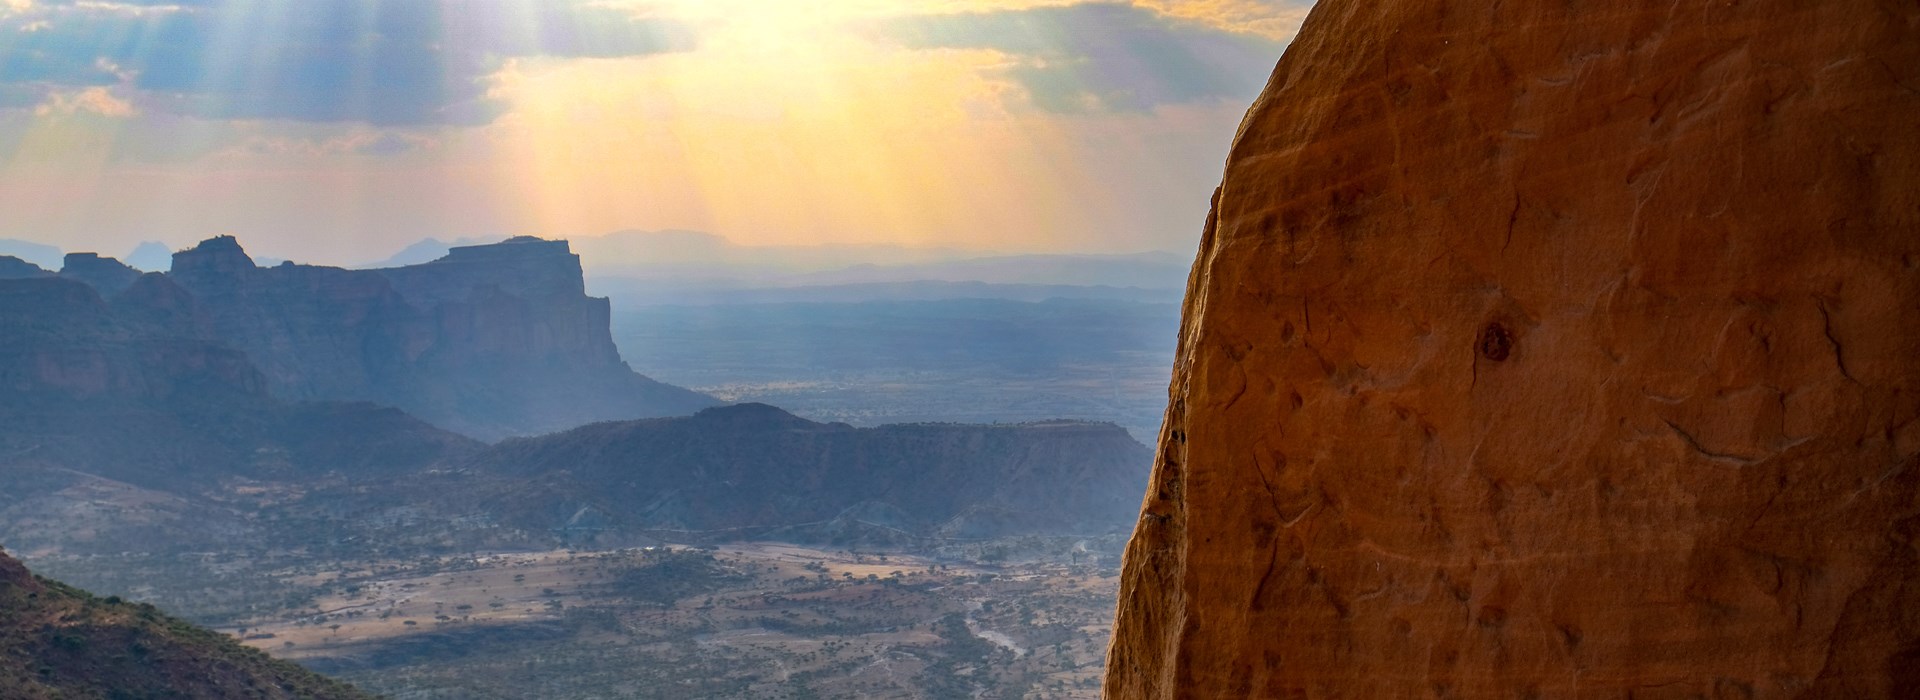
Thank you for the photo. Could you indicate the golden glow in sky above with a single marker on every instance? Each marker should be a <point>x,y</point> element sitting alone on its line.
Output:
<point>342,133</point>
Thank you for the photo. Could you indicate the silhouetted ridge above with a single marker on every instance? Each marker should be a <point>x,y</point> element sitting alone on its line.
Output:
<point>750,416</point>
<point>15,268</point>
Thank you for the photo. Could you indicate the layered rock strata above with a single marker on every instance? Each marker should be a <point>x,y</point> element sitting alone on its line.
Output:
<point>1550,350</point>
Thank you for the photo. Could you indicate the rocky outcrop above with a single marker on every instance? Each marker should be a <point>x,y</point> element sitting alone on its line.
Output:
<point>1549,350</point>
<point>754,470</point>
<point>489,341</point>
<point>107,275</point>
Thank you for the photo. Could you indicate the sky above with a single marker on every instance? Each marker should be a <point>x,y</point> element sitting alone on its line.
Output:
<point>339,131</point>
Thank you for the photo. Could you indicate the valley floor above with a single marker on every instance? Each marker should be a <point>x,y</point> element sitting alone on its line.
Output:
<point>754,620</point>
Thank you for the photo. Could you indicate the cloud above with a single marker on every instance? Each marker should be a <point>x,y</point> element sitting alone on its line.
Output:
<point>395,62</point>
<point>391,143</point>
<point>1104,56</point>
<point>322,141</point>
<point>1274,19</point>
<point>92,100</point>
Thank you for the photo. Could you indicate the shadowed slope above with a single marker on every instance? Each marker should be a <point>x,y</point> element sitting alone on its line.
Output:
<point>61,642</point>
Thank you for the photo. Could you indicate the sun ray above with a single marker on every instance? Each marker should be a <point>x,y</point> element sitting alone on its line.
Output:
<point>764,120</point>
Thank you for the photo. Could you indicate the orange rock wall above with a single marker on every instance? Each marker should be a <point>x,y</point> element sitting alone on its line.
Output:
<point>1550,349</point>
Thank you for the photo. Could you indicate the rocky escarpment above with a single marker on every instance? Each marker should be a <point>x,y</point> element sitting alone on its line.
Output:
<point>755,470</point>
<point>489,341</point>
<point>60,642</point>
<point>1549,350</point>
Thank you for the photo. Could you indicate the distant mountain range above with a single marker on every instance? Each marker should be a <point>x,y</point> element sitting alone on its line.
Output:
<point>38,254</point>
<point>679,266</point>
<point>698,254</point>
<point>162,394</point>
<point>488,341</point>
<point>148,256</point>
<point>755,470</point>
<point>691,267</point>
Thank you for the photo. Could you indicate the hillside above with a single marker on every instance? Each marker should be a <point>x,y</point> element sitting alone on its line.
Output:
<point>755,469</point>
<point>60,642</point>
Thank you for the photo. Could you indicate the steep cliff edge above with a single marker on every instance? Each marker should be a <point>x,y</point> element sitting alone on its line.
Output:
<point>1550,349</point>
<point>518,348</point>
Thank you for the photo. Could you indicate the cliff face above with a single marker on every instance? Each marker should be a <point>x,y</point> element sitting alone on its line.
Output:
<point>490,341</point>
<point>140,390</point>
<point>315,332</point>
<point>64,343</point>
<point>757,469</point>
<point>1550,349</point>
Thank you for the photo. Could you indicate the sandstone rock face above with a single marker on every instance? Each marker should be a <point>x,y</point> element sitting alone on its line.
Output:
<point>1550,350</point>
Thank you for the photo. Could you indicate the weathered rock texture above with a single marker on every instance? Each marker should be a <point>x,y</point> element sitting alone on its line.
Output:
<point>1545,349</point>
